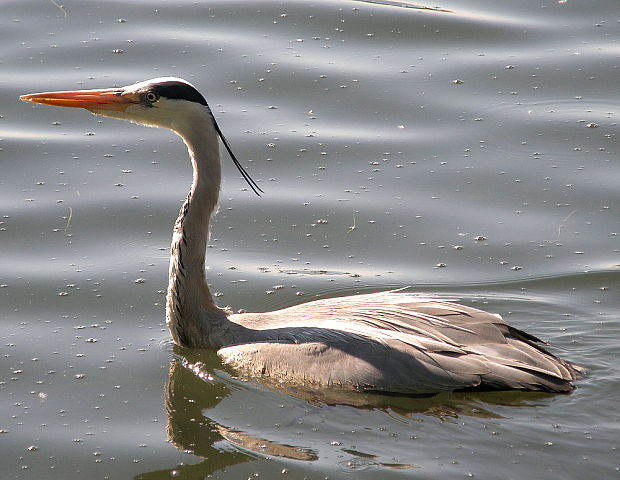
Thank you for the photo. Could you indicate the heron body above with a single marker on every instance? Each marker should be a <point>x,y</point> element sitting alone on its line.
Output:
<point>390,341</point>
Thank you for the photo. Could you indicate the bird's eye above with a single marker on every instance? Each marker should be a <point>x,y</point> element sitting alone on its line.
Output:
<point>151,97</point>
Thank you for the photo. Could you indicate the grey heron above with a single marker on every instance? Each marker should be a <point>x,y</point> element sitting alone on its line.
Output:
<point>391,341</point>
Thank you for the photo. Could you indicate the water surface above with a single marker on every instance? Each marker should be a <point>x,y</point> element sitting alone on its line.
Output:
<point>469,151</point>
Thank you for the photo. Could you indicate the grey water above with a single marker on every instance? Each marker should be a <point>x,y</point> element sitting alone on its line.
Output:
<point>467,150</point>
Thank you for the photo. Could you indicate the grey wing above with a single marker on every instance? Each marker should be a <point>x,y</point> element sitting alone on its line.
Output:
<point>515,359</point>
<point>401,343</point>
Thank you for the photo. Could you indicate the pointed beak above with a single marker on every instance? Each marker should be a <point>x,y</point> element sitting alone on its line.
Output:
<point>108,99</point>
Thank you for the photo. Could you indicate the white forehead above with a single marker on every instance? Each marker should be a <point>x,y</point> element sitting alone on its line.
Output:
<point>145,84</point>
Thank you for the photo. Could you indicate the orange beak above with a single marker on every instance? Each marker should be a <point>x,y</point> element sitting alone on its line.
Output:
<point>108,99</point>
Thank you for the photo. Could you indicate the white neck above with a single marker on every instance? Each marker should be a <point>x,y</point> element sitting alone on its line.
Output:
<point>191,314</point>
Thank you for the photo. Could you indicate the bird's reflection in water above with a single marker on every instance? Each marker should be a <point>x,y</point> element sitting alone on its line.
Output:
<point>197,382</point>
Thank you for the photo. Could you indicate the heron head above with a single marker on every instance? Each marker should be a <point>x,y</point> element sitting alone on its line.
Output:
<point>166,102</point>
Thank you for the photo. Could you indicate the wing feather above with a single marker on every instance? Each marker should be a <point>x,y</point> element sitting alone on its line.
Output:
<point>394,341</point>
